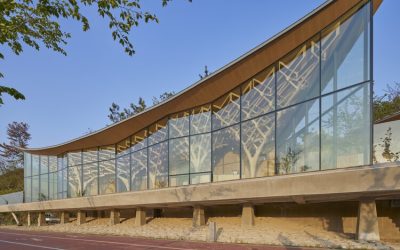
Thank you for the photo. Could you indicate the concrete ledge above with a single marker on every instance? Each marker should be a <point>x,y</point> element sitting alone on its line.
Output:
<point>330,185</point>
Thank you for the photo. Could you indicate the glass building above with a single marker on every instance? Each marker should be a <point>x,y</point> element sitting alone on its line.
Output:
<point>310,110</point>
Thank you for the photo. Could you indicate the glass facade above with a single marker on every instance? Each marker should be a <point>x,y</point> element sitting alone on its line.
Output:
<point>308,111</point>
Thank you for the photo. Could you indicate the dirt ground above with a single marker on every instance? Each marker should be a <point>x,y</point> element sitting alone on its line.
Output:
<point>267,230</point>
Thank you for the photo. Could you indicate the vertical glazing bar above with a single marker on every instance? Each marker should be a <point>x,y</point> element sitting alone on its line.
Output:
<point>130,163</point>
<point>82,189</point>
<point>335,111</point>
<point>31,180</point>
<point>168,149</point>
<point>40,177</point>
<point>67,180</point>
<point>371,72</point>
<point>147,158</point>
<point>320,101</point>
<point>98,170</point>
<point>276,118</point>
<point>48,177</point>
<point>189,176</point>
<point>212,144</point>
<point>115,169</point>
<point>240,132</point>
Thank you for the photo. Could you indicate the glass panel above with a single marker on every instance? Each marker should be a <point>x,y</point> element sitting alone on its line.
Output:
<point>179,156</point>
<point>107,152</point>
<point>35,188</point>
<point>387,142</point>
<point>27,164</point>
<point>35,164</point>
<point>52,163</point>
<point>345,135</point>
<point>123,173</point>
<point>90,155</point>
<point>28,189</point>
<point>53,185</point>
<point>258,147</point>
<point>179,125</point>
<point>90,179</point>
<point>258,95</point>
<point>123,147</point>
<point>139,141</point>
<point>59,162</point>
<point>200,120</point>
<point>158,166</point>
<point>44,187</point>
<point>44,164</point>
<point>200,153</point>
<point>200,178</point>
<point>139,170</point>
<point>74,181</point>
<point>107,177</point>
<point>226,110</point>
<point>158,132</point>
<point>226,156</point>
<point>179,180</point>
<point>298,75</point>
<point>59,184</point>
<point>74,158</point>
<point>64,182</point>
<point>298,138</point>
<point>345,51</point>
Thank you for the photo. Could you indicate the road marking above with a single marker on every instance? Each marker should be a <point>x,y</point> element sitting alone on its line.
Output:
<point>29,245</point>
<point>98,241</point>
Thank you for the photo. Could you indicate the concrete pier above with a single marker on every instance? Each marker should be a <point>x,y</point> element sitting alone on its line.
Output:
<point>80,217</point>
<point>367,221</point>
<point>140,218</point>
<point>198,216</point>
<point>114,216</point>
<point>248,216</point>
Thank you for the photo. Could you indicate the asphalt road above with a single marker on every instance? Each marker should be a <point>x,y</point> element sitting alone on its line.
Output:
<point>16,239</point>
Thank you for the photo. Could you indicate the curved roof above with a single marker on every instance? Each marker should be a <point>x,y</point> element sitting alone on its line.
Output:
<point>218,83</point>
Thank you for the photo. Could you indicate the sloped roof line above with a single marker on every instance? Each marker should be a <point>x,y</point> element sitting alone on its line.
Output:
<point>198,83</point>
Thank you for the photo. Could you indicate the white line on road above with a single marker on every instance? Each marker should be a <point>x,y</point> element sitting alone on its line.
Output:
<point>98,241</point>
<point>29,245</point>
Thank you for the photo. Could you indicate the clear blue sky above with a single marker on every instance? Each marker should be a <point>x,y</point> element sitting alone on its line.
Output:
<point>68,95</point>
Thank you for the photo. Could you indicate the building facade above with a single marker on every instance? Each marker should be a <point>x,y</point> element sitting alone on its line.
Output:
<point>290,121</point>
<point>308,111</point>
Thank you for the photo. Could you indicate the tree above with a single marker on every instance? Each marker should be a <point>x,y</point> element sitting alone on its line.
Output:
<point>135,109</point>
<point>206,73</point>
<point>18,137</point>
<point>36,24</point>
<point>387,152</point>
<point>164,96</point>
<point>10,91</point>
<point>387,104</point>
<point>116,115</point>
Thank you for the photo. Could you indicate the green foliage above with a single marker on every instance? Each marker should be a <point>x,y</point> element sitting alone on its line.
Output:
<point>12,181</point>
<point>205,74</point>
<point>288,162</point>
<point>11,91</point>
<point>164,96</point>
<point>386,144</point>
<point>18,136</point>
<point>116,115</point>
<point>387,104</point>
<point>36,24</point>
